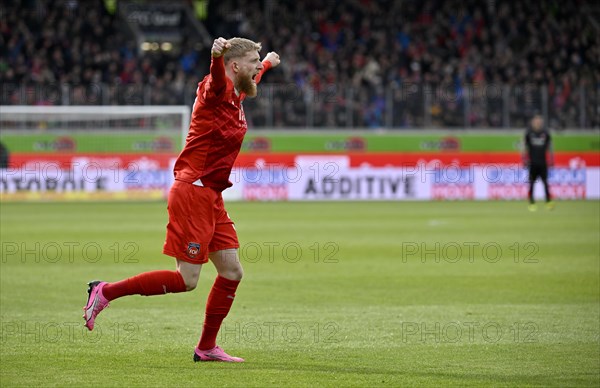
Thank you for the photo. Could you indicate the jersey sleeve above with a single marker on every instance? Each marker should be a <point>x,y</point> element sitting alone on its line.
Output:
<point>266,66</point>
<point>217,82</point>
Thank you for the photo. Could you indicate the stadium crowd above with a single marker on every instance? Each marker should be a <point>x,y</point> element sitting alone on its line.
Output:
<point>363,63</point>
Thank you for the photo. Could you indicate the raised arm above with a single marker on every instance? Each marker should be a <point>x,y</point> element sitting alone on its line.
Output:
<point>217,66</point>
<point>271,60</point>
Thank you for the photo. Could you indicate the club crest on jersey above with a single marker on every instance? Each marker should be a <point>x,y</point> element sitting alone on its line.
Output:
<point>192,250</point>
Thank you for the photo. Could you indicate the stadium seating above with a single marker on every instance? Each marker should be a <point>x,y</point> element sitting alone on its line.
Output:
<point>362,63</point>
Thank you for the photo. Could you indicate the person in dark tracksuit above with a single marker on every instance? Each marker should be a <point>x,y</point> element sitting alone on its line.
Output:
<point>537,157</point>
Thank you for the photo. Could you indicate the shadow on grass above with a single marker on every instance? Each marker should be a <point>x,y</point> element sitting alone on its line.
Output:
<point>331,367</point>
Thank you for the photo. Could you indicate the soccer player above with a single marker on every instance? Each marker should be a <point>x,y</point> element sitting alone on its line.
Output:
<point>537,156</point>
<point>199,228</point>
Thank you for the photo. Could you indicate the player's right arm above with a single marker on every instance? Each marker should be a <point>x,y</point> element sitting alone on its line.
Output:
<point>218,80</point>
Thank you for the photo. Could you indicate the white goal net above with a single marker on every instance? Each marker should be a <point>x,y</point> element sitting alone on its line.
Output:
<point>56,152</point>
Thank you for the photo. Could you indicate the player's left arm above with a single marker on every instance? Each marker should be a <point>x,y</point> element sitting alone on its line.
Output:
<point>270,61</point>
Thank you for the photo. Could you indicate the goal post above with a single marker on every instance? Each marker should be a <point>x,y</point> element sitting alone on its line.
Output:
<point>89,152</point>
<point>82,118</point>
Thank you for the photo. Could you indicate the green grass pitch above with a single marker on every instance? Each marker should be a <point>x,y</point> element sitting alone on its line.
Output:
<point>334,294</point>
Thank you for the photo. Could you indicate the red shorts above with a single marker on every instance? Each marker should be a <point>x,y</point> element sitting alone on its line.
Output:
<point>198,223</point>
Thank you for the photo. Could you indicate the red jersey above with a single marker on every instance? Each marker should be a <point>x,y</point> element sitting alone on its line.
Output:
<point>216,132</point>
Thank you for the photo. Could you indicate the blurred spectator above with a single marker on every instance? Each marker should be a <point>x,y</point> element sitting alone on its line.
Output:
<point>364,63</point>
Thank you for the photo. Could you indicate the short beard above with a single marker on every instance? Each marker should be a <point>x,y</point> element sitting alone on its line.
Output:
<point>245,85</point>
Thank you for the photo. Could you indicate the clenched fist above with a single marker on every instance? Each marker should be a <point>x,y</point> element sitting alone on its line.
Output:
<point>220,46</point>
<point>272,57</point>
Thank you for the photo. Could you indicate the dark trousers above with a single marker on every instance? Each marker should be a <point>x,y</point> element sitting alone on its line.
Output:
<point>538,171</point>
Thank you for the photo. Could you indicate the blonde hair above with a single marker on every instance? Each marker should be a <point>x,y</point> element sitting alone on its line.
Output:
<point>239,47</point>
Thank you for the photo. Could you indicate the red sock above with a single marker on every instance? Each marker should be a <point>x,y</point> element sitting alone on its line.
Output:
<point>219,302</point>
<point>147,283</point>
